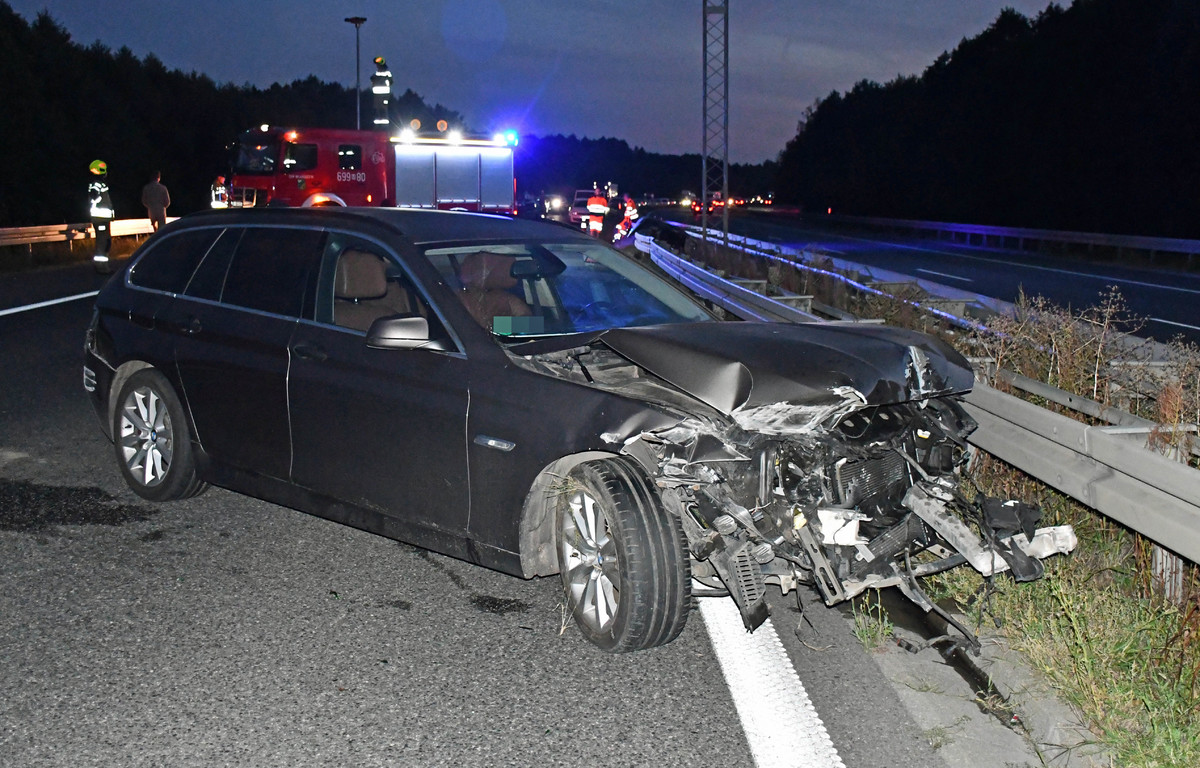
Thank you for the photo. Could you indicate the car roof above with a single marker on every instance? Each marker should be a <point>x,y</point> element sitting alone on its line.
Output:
<point>417,225</point>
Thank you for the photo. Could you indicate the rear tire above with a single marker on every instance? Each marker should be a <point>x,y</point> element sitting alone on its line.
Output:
<point>621,556</point>
<point>152,439</point>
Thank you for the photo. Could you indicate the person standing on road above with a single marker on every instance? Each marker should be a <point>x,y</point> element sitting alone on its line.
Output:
<point>156,199</point>
<point>101,212</point>
<point>597,206</point>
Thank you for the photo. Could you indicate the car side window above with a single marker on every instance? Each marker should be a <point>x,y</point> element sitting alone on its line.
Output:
<point>170,262</point>
<point>272,269</point>
<point>363,283</point>
<point>209,277</point>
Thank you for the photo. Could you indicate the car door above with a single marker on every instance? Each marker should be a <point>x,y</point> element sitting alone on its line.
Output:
<point>382,429</point>
<point>232,327</point>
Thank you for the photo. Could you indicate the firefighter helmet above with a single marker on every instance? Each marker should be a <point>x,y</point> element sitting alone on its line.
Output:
<point>98,167</point>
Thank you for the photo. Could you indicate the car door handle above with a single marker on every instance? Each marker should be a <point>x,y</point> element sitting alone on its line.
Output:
<point>306,351</point>
<point>188,327</point>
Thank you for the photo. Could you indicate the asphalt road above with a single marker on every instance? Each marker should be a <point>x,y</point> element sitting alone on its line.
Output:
<point>223,630</point>
<point>1166,299</point>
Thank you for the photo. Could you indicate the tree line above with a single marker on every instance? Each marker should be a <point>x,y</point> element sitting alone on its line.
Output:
<point>1082,118</point>
<point>66,104</point>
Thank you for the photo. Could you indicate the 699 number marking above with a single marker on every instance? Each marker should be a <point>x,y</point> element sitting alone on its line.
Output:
<point>359,176</point>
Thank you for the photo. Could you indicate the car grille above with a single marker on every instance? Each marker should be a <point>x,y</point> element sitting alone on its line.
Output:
<point>853,480</point>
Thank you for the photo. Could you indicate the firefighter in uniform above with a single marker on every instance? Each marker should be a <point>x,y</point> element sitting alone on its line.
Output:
<point>631,214</point>
<point>219,194</point>
<point>101,212</point>
<point>381,90</point>
<point>597,206</point>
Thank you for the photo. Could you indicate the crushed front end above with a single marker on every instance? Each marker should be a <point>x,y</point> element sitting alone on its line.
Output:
<point>824,455</point>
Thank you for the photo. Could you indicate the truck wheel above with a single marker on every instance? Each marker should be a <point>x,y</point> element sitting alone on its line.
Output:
<point>152,440</point>
<point>621,556</point>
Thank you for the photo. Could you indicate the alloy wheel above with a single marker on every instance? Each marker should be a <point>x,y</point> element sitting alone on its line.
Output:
<point>146,436</point>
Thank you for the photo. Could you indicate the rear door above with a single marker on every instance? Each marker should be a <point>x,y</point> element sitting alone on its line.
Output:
<point>232,327</point>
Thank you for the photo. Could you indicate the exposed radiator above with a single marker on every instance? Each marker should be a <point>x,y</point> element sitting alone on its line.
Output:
<point>856,479</point>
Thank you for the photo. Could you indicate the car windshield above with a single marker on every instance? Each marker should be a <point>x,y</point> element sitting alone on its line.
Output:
<point>540,289</point>
<point>251,157</point>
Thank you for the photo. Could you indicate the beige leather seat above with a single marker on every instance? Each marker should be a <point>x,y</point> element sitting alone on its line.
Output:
<point>362,292</point>
<point>486,278</point>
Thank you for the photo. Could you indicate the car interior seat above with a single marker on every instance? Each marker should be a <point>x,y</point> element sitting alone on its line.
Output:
<point>363,293</point>
<point>486,279</point>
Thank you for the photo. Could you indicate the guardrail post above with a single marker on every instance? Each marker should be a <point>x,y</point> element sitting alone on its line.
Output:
<point>1166,569</point>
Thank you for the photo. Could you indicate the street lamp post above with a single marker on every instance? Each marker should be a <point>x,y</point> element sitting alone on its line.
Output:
<point>357,21</point>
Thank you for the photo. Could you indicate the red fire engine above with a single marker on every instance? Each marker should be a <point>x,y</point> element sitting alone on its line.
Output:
<point>329,166</point>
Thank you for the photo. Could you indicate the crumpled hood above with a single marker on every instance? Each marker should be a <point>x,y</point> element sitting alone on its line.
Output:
<point>744,368</point>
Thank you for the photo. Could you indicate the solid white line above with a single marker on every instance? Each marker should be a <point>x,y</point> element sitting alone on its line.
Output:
<point>943,274</point>
<point>1172,322</point>
<point>780,722</point>
<point>51,302</point>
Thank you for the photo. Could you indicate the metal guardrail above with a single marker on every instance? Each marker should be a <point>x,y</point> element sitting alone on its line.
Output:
<point>1098,466</point>
<point>57,233</point>
<point>1108,469</point>
<point>727,294</point>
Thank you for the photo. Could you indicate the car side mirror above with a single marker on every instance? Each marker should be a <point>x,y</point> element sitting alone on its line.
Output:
<point>399,332</point>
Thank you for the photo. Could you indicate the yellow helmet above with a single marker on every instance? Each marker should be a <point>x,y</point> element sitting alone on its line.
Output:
<point>98,167</point>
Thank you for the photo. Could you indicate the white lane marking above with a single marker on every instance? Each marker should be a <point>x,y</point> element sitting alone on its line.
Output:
<point>51,302</point>
<point>1102,278</point>
<point>1172,322</point>
<point>780,722</point>
<point>943,274</point>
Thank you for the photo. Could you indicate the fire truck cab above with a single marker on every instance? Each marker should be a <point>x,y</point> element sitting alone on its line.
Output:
<point>329,166</point>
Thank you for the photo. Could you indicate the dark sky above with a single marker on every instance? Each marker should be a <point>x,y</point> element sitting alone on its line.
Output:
<point>629,70</point>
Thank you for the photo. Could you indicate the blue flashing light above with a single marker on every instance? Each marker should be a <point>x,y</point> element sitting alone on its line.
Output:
<point>510,138</point>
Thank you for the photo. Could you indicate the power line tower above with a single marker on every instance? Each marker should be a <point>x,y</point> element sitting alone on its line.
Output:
<point>715,150</point>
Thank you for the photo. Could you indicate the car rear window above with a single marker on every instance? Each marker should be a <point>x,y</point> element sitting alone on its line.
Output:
<point>272,269</point>
<point>170,262</point>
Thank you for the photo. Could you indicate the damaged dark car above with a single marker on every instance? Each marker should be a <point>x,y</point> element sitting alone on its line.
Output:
<point>526,398</point>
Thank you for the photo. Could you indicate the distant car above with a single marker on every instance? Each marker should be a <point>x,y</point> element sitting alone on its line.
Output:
<point>714,206</point>
<point>531,208</point>
<point>578,211</point>
<point>524,397</point>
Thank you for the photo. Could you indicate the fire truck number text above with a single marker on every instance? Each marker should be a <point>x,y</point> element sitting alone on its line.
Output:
<point>351,176</point>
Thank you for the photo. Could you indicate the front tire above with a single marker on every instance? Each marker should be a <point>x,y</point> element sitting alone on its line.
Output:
<point>152,440</point>
<point>621,557</point>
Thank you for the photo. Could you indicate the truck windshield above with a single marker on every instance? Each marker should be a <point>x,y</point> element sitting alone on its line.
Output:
<point>255,157</point>
<point>541,289</point>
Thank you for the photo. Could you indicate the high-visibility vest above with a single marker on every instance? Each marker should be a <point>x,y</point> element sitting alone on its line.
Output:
<point>220,196</point>
<point>101,203</point>
<point>597,206</point>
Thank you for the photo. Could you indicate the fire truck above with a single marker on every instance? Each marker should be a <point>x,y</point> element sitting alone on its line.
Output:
<point>329,166</point>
